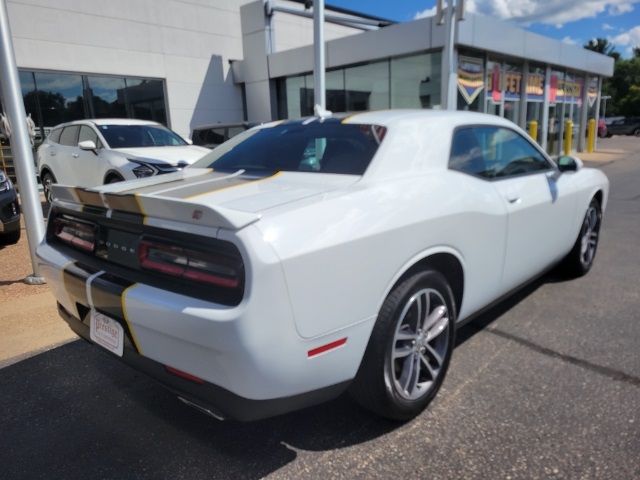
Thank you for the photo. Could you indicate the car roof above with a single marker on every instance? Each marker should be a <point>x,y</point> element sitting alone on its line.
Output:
<point>108,121</point>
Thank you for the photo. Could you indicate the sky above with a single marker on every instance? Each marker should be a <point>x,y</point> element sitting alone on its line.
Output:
<point>572,21</point>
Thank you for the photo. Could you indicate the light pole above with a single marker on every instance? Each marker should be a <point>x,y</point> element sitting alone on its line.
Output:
<point>453,14</point>
<point>20,143</point>
<point>319,95</point>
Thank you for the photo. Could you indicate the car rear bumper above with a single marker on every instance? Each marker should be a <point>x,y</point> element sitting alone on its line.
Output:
<point>207,397</point>
<point>250,357</point>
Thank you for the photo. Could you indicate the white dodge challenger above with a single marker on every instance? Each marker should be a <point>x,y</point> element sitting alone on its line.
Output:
<point>304,258</point>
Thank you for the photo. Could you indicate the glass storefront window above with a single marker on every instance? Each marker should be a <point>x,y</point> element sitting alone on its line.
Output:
<point>415,81</point>
<point>335,94</point>
<point>53,98</point>
<point>145,99</point>
<point>367,87</point>
<point>512,89</point>
<point>60,97</point>
<point>556,113</point>
<point>535,98</point>
<point>106,96</point>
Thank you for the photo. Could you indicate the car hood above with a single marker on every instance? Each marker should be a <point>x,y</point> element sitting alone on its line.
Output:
<point>171,155</point>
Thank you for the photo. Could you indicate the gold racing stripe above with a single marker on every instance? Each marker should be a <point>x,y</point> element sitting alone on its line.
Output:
<point>233,182</point>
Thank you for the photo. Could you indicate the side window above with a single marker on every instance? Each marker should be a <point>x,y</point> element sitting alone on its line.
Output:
<point>69,136</point>
<point>54,136</point>
<point>233,131</point>
<point>87,133</point>
<point>494,152</point>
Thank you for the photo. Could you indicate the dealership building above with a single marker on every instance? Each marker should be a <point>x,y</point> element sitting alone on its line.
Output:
<point>188,63</point>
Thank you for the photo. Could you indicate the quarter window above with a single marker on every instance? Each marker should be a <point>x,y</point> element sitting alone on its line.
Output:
<point>54,136</point>
<point>69,136</point>
<point>87,133</point>
<point>494,152</point>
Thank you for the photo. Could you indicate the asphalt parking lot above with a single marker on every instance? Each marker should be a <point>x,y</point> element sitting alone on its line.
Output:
<point>545,385</point>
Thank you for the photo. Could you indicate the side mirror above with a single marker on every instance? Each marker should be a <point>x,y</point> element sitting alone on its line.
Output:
<point>87,145</point>
<point>568,163</point>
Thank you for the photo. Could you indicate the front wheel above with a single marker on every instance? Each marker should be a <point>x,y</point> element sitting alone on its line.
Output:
<point>580,259</point>
<point>636,132</point>
<point>47,181</point>
<point>410,348</point>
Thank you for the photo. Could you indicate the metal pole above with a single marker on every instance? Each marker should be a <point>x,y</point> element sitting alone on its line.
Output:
<point>451,86</point>
<point>318,44</point>
<point>20,143</point>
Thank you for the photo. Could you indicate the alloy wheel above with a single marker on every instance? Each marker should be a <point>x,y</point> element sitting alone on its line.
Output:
<point>590,232</point>
<point>420,344</point>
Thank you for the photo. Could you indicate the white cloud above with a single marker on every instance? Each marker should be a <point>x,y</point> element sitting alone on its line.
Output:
<point>429,12</point>
<point>630,38</point>
<point>551,12</point>
<point>606,26</point>
<point>620,8</point>
<point>569,40</point>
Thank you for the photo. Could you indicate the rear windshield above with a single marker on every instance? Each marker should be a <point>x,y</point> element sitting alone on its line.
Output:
<point>324,147</point>
<point>134,136</point>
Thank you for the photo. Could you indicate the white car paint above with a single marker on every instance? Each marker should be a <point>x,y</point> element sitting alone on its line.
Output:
<point>70,165</point>
<point>322,251</point>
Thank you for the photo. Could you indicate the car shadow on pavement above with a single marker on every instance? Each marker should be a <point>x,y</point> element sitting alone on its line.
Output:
<point>87,414</point>
<point>76,412</point>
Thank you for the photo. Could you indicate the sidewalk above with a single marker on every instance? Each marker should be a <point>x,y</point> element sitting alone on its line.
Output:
<point>29,321</point>
<point>611,149</point>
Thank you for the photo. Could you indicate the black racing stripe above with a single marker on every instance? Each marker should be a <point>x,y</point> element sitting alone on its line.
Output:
<point>89,198</point>
<point>106,293</point>
<point>127,203</point>
<point>127,218</point>
<point>75,279</point>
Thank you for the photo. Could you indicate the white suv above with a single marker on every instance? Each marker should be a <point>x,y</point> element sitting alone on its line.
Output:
<point>87,153</point>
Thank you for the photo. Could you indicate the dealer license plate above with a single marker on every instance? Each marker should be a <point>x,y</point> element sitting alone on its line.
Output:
<point>106,332</point>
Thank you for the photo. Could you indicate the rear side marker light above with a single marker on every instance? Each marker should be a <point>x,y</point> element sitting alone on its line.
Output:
<point>202,267</point>
<point>325,348</point>
<point>77,234</point>
<point>185,375</point>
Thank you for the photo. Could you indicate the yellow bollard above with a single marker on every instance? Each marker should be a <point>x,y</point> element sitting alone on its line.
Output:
<point>568,136</point>
<point>533,130</point>
<point>591,135</point>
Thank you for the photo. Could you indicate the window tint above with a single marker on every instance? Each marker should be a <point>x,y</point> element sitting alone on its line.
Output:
<point>54,136</point>
<point>133,136</point>
<point>209,136</point>
<point>327,147</point>
<point>69,136</point>
<point>494,152</point>
<point>87,133</point>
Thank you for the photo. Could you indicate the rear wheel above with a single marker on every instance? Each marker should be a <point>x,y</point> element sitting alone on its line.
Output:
<point>636,132</point>
<point>410,348</point>
<point>47,181</point>
<point>580,259</point>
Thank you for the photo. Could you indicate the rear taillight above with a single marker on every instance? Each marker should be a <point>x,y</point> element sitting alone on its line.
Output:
<point>75,233</point>
<point>194,265</point>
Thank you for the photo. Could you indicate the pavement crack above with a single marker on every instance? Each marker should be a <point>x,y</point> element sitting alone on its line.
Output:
<point>611,373</point>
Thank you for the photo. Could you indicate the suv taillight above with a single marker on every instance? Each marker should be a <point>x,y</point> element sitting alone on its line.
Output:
<point>75,233</point>
<point>194,265</point>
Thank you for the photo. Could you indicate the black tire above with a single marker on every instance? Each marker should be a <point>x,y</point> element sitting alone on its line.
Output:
<point>609,135</point>
<point>47,179</point>
<point>113,178</point>
<point>376,387</point>
<point>578,262</point>
<point>636,132</point>
<point>10,238</point>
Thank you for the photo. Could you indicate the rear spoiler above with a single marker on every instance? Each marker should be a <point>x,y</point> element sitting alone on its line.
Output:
<point>157,207</point>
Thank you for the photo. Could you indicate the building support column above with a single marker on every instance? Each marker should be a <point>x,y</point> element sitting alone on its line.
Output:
<point>598,100</point>
<point>583,115</point>
<point>545,108</point>
<point>522,119</point>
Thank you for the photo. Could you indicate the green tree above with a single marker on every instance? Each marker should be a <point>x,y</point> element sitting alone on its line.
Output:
<point>602,45</point>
